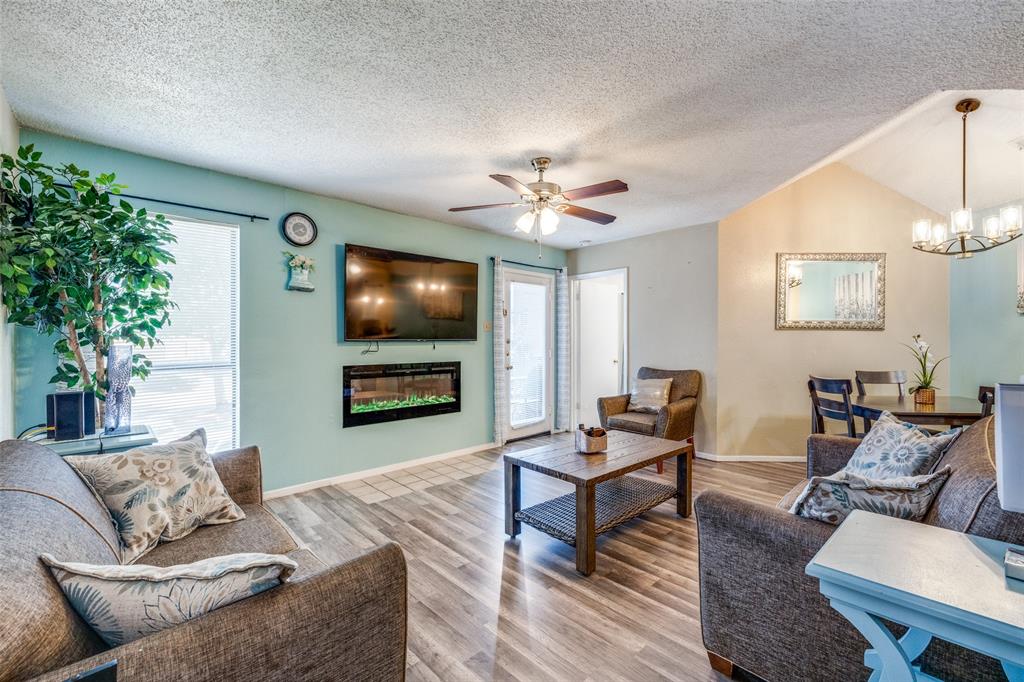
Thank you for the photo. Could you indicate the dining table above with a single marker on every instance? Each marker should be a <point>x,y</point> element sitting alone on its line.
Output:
<point>951,410</point>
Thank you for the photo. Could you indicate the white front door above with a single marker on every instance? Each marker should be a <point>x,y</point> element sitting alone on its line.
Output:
<point>530,328</point>
<point>599,341</point>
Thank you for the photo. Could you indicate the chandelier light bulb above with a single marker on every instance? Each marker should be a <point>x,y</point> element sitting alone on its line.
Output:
<point>548,221</point>
<point>962,222</point>
<point>922,231</point>
<point>1010,219</point>
<point>525,222</point>
<point>939,234</point>
<point>992,228</point>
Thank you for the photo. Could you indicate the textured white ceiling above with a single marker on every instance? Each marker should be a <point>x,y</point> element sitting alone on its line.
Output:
<point>409,104</point>
<point>919,155</point>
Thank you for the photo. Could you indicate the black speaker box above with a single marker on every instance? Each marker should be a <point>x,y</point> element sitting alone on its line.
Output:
<point>71,415</point>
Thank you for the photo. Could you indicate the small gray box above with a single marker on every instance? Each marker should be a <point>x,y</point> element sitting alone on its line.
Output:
<point>1014,563</point>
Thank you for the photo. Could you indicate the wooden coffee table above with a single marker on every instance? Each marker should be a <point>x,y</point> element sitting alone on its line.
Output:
<point>605,496</point>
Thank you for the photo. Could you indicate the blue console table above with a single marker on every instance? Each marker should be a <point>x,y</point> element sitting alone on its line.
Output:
<point>937,582</point>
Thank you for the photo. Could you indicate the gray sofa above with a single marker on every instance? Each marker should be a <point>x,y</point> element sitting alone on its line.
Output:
<point>326,623</point>
<point>760,612</point>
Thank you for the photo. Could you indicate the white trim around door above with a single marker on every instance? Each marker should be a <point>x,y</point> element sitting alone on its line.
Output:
<point>544,422</point>
<point>576,335</point>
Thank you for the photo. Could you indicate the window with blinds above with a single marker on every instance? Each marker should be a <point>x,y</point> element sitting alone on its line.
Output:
<point>194,382</point>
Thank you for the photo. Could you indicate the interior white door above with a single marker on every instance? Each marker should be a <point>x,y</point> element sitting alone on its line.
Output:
<point>530,328</point>
<point>600,340</point>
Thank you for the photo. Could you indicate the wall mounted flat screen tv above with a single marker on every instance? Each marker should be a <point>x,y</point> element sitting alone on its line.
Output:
<point>395,296</point>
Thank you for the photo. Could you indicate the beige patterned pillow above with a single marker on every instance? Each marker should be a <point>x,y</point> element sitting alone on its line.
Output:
<point>649,395</point>
<point>124,603</point>
<point>159,492</point>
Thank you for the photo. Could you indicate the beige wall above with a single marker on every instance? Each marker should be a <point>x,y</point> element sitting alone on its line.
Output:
<point>763,407</point>
<point>8,145</point>
<point>672,306</point>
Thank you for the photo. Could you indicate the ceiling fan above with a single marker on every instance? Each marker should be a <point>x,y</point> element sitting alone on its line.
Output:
<point>546,200</point>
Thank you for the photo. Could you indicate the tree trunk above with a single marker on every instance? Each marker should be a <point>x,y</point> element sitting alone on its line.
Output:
<point>76,349</point>
<point>101,350</point>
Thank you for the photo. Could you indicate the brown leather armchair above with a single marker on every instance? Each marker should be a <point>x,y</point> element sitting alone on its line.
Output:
<point>674,421</point>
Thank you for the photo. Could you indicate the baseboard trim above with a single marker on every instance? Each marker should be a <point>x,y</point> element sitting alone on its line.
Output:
<point>750,458</point>
<point>376,471</point>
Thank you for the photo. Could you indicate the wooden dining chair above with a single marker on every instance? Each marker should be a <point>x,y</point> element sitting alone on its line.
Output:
<point>888,377</point>
<point>987,398</point>
<point>885,377</point>
<point>823,408</point>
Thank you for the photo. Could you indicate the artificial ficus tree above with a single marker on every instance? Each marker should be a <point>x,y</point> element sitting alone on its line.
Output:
<point>80,264</point>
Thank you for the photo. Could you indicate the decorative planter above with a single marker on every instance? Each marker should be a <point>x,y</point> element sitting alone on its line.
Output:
<point>587,444</point>
<point>299,280</point>
<point>924,396</point>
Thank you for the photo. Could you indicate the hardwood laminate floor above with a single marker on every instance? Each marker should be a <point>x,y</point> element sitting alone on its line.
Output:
<point>482,607</point>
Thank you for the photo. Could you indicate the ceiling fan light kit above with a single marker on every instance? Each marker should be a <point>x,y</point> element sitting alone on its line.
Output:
<point>546,201</point>
<point>959,239</point>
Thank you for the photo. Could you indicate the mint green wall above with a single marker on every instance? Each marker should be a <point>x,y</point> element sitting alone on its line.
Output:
<point>986,332</point>
<point>290,355</point>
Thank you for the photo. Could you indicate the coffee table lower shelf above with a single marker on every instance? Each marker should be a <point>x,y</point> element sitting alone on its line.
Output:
<point>616,501</point>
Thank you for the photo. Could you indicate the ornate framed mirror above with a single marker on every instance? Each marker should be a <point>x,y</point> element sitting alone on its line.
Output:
<point>830,291</point>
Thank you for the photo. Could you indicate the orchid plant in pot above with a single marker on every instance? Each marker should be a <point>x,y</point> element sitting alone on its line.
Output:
<point>924,391</point>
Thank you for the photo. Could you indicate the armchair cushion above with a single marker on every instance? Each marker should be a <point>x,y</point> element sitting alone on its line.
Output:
<point>260,531</point>
<point>637,422</point>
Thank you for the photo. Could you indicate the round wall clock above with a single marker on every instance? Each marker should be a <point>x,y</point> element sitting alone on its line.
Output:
<point>299,229</point>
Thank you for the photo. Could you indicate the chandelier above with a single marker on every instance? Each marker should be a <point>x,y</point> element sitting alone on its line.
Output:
<point>960,240</point>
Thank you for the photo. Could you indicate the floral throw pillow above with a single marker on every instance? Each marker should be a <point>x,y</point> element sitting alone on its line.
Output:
<point>158,492</point>
<point>832,498</point>
<point>124,603</point>
<point>893,448</point>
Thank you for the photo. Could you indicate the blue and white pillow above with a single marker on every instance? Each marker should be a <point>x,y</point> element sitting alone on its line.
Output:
<point>832,498</point>
<point>124,603</point>
<point>893,448</point>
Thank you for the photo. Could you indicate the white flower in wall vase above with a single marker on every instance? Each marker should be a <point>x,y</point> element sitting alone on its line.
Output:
<point>299,268</point>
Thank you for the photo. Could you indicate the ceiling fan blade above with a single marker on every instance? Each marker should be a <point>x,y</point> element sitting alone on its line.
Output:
<point>514,185</point>
<point>586,214</point>
<point>598,190</point>
<point>473,208</point>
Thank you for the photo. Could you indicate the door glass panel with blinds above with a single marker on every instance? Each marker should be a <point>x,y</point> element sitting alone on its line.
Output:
<point>194,379</point>
<point>530,373</point>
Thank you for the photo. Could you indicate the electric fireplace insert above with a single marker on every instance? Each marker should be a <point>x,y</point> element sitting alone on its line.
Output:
<point>386,393</point>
